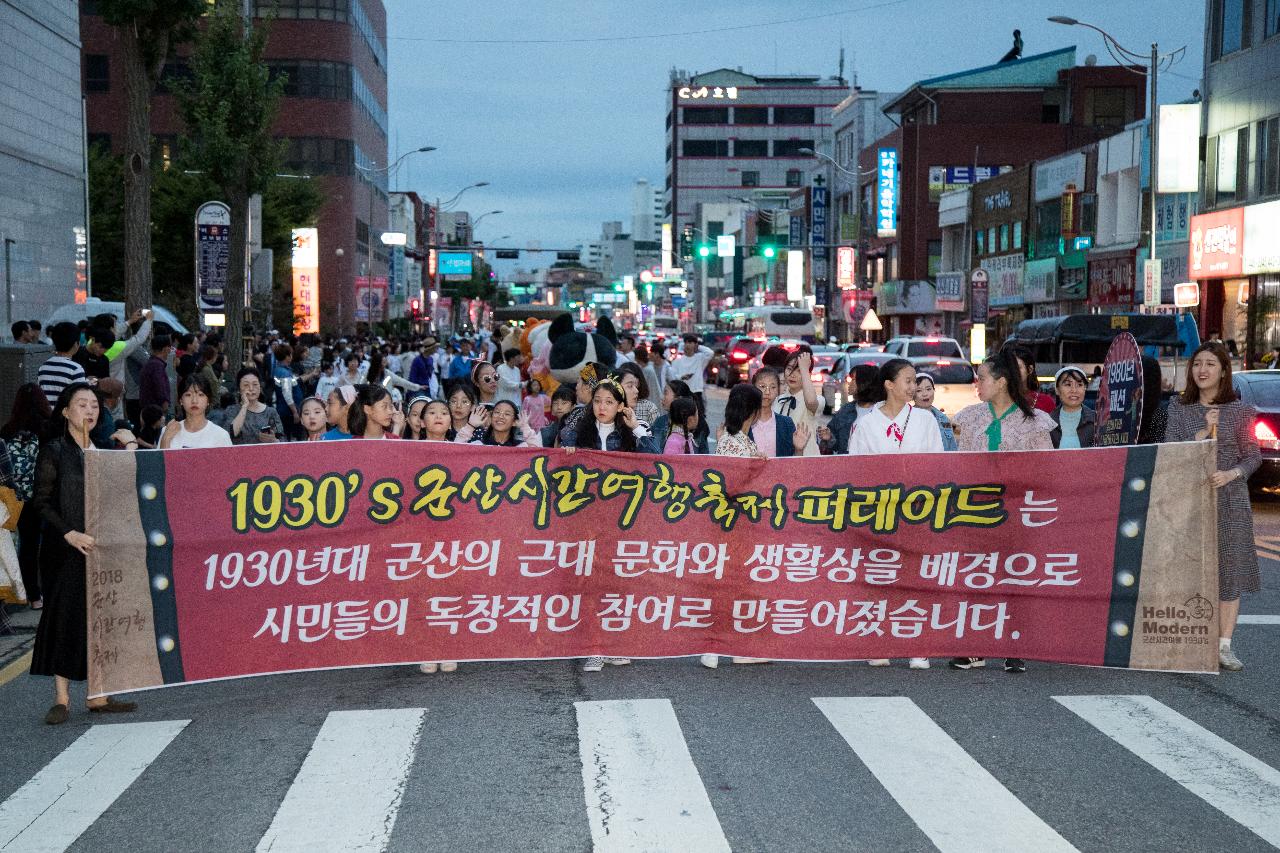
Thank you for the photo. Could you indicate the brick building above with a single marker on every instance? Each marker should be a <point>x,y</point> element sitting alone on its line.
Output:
<point>333,117</point>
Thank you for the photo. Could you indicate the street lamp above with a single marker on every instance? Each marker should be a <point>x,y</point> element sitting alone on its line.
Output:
<point>811,153</point>
<point>457,196</point>
<point>1124,58</point>
<point>480,218</point>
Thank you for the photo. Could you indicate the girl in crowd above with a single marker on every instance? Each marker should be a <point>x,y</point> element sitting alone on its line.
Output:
<point>637,387</point>
<point>925,390</point>
<point>776,435</point>
<point>484,378</point>
<point>1155,415</point>
<point>436,421</point>
<point>27,424</point>
<point>462,399</point>
<point>674,389</point>
<point>374,415</point>
<point>651,380</point>
<point>195,429</point>
<point>314,419</point>
<point>252,421</point>
<point>1075,424</point>
<point>414,423</point>
<point>834,437</point>
<point>504,426</point>
<point>536,404</point>
<point>1004,420</point>
<point>590,374</point>
<point>1207,408</point>
<point>379,375</point>
<point>802,402</point>
<point>338,412</point>
<point>62,639</point>
<point>684,415</point>
<point>1027,365</point>
<point>889,427</point>
<point>562,403</point>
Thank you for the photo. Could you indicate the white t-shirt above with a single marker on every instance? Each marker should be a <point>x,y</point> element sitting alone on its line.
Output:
<point>692,366</point>
<point>793,406</point>
<point>210,435</point>
<point>509,383</point>
<point>873,432</point>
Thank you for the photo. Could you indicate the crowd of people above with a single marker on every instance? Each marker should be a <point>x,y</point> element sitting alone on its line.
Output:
<point>138,385</point>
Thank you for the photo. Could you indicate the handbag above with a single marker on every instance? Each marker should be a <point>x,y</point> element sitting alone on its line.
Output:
<point>13,506</point>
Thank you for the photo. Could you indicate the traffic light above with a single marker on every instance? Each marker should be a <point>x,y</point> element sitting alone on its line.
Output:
<point>415,309</point>
<point>768,251</point>
<point>686,242</point>
<point>704,250</point>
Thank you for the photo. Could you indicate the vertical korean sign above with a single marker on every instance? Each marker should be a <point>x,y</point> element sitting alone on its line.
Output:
<point>845,262</point>
<point>818,239</point>
<point>887,192</point>
<point>213,254</point>
<point>1151,272</point>
<point>306,281</point>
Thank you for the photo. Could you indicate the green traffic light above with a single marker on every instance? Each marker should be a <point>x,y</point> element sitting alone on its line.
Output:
<point>704,251</point>
<point>769,251</point>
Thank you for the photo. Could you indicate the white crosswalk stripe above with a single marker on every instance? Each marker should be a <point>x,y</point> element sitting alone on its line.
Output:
<point>1224,776</point>
<point>1258,619</point>
<point>360,759</point>
<point>73,790</point>
<point>643,791</point>
<point>934,780</point>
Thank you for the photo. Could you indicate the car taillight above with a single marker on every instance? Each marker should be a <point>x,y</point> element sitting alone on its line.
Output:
<point>1266,435</point>
<point>943,363</point>
<point>739,355</point>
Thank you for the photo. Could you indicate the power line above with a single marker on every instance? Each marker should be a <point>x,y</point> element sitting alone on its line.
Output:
<point>650,37</point>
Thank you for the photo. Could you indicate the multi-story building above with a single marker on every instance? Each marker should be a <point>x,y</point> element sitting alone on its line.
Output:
<point>407,215</point>
<point>333,117</point>
<point>1235,241</point>
<point>646,211</point>
<point>42,178</point>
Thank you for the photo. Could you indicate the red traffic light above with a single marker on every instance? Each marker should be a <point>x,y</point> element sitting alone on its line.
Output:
<point>414,305</point>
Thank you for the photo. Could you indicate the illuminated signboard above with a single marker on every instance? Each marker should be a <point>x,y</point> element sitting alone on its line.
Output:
<point>887,192</point>
<point>844,267</point>
<point>454,263</point>
<point>306,281</point>
<point>698,93</point>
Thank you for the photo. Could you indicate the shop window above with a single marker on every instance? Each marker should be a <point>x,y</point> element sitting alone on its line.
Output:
<point>795,178</point>
<point>981,244</point>
<point>991,240</point>
<point>1017,235</point>
<point>750,178</point>
<point>1004,238</point>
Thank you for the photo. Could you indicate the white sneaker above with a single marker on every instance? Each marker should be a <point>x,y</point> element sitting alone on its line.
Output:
<point>593,664</point>
<point>1227,660</point>
<point>710,661</point>
<point>878,662</point>
<point>427,668</point>
<point>449,666</point>
<point>919,663</point>
<point>617,661</point>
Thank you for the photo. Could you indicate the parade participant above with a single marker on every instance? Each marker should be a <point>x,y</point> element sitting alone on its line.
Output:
<point>61,369</point>
<point>379,375</point>
<point>509,376</point>
<point>195,429</point>
<point>1155,414</point>
<point>637,387</point>
<point>590,374</point>
<point>460,365</point>
<point>661,368</point>
<point>502,426</point>
<point>251,421</point>
<point>288,391</point>
<point>338,412</point>
<point>684,417</point>
<point>422,370</point>
<point>776,435</point>
<point>1208,408</point>
<point>536,404</point>
<point>374,415</point>
<point>651,379</point>
<point>1076,424</point>
<point>1004,420</point>
<point>314,423</point>
<point>834,437</point>
<point>484,379</point>
<point>28,422</point>
<point>462,399</point>
<point>612,424</point>
<point>152,428</point>
<point>209,369</point>
<point>562,403</point>
<point>62,641</point>
<point>1027,364</point>
<point>801,402</point>
<point>691,366</point>
<point>153,381</point>
<point>923,399</point>
<point>436,421</point>
<point>414,426</point>
<point>351,373</point>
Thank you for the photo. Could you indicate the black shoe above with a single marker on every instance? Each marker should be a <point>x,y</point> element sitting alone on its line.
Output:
<point>1015,665</point>
<point>967,663</point>
<point>57,715</point>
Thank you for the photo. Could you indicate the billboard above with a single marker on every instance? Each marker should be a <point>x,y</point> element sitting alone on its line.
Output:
<point>944,179</point>
<point>1261,252</point>
<point>306,281</point>
<point>887,192</point>
<point>1217,244</point>
<point>1179,148</point>
<point>454,263</point>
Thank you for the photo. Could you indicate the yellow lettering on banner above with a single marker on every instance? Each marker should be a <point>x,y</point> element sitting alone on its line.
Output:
<point>633,484</point>
<point>483,485</point>
<point>979,506</point>
<point>572,485</point>
<point>675,495</point>
<point>532,483</point>
<point>829,507</point>
<point>436,493</point>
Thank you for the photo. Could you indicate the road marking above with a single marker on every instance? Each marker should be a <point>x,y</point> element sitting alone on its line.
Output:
<point>1224,776</point>
<point>933,779</point>
<point>13,670</point>
<point>73,790</point>
<point>1258,620</point>
<point>347,794</point>
<point>643,791</point>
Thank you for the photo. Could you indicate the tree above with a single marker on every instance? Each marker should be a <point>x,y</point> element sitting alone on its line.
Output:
<point>148,30</point>
<point>229,105</point>
<point>106,223</point>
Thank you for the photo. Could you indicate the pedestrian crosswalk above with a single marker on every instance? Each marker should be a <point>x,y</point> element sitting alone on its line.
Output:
<point>1268,547</point>
<point>648,785</point>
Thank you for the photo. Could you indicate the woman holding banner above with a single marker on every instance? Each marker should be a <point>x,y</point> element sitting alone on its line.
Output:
<point>62,640</point>
<point>1208,408</point>
<point>1004,420</point>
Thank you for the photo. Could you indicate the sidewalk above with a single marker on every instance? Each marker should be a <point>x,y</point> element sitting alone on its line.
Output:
<point>17,640</point>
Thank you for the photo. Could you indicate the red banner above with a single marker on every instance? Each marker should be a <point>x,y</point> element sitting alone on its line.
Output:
<point>254,560</point>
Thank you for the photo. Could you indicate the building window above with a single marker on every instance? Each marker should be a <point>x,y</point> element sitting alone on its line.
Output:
<point>668,153</point>
<point>981,241</point>
<point>750,179</point>
<point>706,115</point>
<point>1272,25</point>
<point>1004,238</point>
<point>97,72</point>
<point>1269,156</point>
<point>705,148</point>
<point>750,115</point>
<point>313,155</point>
<point>310,79</point>
<point>751,148</point>
<point>991,239</point>
<point>793,115</point>
<point>1109,106</point>
<point>795,177</point>
<point>164,150</point>
<point>362,235</point>
<point>1230,26</point>
<point>791,147</point>
<point>319,10</point>
<point>1017,235</point>
<point>1228,148</point>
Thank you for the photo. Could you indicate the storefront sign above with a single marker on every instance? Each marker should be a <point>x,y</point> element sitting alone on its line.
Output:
<point>1041,280</point>
<point>1151,278</point>
<point>1261,238</point>
<point>846,260</point>
<point>1119,403</point>
<point>1216,250</point>
<point>943,179</point>
<point>979,296</point>
<point>1006,275</point>
<point>1111,279</point>
<point>1053,176</point>
<point>1173,217</point>
<point>1173,269</point>
<point>950,291</point>
<point>887,193</point>
<point>306,281</point>
<point>213,255</point>
<point>1186,295</point>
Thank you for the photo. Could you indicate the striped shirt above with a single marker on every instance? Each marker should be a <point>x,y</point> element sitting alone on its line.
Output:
<point>56,374</point>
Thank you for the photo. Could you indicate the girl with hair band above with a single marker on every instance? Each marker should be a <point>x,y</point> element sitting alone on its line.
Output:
<point>590,374</point>
<point>925,390</point>
<point>434,424</point>
<point>684,417</point>
<point>462,399</point>
<point>414,426</point>
<point>503,426</point>
<point>338,412</point>
<point>1208,408</point>
<point>314,419</point>
<point>373,415</point>
<point>1004,420</point>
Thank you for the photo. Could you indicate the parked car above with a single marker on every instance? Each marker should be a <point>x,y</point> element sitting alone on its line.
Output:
<point>952,381</point>
<point>911,346</point>
<point>1261,389</point>
<point>863,347</point>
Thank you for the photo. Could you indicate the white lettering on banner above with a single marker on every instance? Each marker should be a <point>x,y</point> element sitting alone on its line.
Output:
<point>868,618</point>
<point>482,613</point>
<point>346,620</point>
<point>1033,506</point>
<point>800,563</point>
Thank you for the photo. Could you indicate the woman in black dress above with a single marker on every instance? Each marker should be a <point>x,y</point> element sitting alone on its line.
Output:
<point>62,640</point>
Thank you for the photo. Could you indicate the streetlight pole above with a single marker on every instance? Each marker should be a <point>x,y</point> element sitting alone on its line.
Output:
<point>436,239</point>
